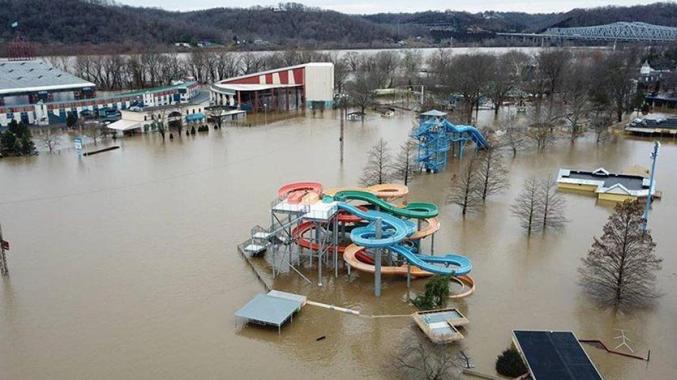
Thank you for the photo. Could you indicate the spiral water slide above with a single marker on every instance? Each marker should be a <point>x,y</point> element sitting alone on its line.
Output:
<point>393,232</point>
<point>414,210</point>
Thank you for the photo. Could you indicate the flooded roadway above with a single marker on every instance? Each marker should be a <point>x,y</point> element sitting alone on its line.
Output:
<point>124,264</point>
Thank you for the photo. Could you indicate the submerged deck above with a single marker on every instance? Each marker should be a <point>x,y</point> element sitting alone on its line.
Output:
<point>441,325</point>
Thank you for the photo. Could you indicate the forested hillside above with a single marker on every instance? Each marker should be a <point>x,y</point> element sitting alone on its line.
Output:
<point>91,23</point>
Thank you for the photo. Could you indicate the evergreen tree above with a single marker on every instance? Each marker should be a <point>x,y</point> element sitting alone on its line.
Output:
<point>510,363</point>
<point>436,294</point>
<point>17,140</point>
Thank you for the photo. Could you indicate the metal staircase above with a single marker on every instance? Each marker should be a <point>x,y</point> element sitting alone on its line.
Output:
<point>279,232</point>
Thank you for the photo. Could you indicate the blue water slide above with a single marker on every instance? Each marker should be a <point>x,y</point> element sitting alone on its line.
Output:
<point>474,133</point>
<point>454,265</point>
<point>394,231</point>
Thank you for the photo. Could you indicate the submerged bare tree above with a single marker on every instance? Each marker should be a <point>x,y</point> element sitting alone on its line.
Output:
<point>541,131</point>
<point>552,64</point>
<point>492,173</point>
<point>419,359</point>
<point>599,123</point>
<point>361,89</point>
<point>576,99</point>
<point>405,166</point>
<point>378,168</point>
<point>525,207</point>
<point>50,138</point>
<point>551,205</point>
<point>514,137</point>
<point>620,268</point>
<point>538,206</point>
<point>466,187</point>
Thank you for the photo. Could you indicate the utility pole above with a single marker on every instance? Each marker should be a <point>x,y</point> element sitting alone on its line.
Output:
<point>342,108</point>
<point>341,137</point>
<point>647,204</point>
<point>4,246</point>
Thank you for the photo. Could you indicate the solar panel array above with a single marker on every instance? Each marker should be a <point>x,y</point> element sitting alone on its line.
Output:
<point>555,355</point>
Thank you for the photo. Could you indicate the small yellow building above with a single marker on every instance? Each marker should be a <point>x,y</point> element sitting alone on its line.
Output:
<point>608,186</point>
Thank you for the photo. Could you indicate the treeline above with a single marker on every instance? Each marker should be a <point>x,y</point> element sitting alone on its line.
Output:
<point>152,69</point>
<point>568,85</point>
<point>569,92</point>
<point>657,13</point>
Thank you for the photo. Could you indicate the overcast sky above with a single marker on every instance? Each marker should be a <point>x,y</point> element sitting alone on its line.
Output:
<point>376,6</point>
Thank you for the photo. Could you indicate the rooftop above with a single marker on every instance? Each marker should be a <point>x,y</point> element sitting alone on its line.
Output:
<point>35,75</point>
<point>303,65</point>
<point>251,87</point>
<point>555,355</point>
<point>630,182</point>
<point>273,308</point>
<point>434,113</point>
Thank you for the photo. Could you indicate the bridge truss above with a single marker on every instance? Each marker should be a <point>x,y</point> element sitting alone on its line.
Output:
<point>618,31</point>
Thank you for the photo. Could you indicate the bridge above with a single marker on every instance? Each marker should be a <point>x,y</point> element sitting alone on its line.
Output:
<point>616,32</point>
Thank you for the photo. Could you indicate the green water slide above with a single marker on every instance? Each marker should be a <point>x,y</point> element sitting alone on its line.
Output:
<point>414,210</point>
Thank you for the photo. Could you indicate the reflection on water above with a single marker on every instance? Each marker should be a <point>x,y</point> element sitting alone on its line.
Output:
<point>124,264</point>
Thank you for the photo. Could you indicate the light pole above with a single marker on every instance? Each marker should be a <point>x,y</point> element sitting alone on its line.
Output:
<point>265,113</point>
<point>647,205</point>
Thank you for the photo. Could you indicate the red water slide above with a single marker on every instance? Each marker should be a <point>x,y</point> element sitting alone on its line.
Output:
<point>294,192</point>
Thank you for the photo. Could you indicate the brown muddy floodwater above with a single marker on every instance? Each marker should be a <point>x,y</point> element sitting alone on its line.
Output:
<point>124,264</point>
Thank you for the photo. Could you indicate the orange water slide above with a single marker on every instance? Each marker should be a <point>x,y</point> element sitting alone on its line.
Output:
<point>428,227</point>
<point>386,191</point>
<point>350,255</point>
<point>389,191</point>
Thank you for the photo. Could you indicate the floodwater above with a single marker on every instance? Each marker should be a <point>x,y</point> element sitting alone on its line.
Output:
<point>124,264</point>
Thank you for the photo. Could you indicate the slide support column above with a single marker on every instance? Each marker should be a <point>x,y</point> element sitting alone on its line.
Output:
<point>377,259</point>
<point>335,233</point>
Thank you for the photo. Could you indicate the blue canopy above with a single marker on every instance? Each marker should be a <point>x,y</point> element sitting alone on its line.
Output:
<point>195,116</point>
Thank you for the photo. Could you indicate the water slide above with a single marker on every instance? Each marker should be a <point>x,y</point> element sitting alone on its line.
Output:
<point>414,210</point>
<point>474,133</point>
<point>394,231</point>
<point>300,192</point>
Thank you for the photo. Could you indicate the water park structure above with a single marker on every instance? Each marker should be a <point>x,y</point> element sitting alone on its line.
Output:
<point>436,136</point>
<point>373,229</point>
